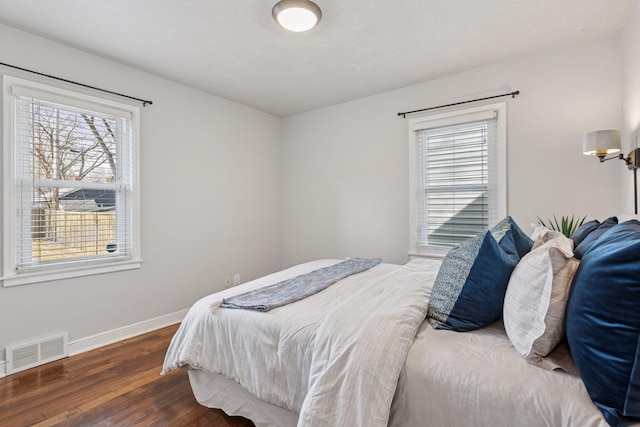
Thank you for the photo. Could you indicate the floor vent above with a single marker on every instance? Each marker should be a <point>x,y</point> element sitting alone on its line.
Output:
<point>35,353</point>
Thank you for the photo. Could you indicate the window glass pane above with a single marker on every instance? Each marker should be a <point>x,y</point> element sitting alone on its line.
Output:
<point>70,145</point>
<point>77,229</point>
<point>74,170</point>
<point>456,216</point>
<point>453,177</point>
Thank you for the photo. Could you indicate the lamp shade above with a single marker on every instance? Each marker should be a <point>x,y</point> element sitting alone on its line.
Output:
<point>601,142</point>
<point>296,15</point>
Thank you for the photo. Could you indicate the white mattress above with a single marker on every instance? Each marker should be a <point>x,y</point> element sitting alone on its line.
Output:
<point>478,379</point>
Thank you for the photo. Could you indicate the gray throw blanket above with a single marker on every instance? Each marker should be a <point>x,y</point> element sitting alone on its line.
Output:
<point>299,287</point>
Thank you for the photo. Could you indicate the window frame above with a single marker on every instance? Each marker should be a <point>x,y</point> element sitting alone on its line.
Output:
<point>453,117</point>
<point>12,88</point>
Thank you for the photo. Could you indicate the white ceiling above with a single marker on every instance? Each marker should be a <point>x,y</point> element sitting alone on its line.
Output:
<point>234,48</point>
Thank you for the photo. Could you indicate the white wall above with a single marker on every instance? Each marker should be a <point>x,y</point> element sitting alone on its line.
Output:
<point>345,167</point>
<point>210,200</point>
<point>630,100</point>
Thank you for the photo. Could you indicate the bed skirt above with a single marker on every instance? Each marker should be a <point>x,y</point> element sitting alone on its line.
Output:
<point>217,391</point>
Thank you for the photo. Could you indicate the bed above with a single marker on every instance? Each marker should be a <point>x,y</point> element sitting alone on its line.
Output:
<point>360,353</point>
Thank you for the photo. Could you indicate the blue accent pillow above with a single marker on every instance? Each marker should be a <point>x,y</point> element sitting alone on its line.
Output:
<point>590,238</point>
<point>603,321</point>
<point>519,245</point>
<point>582,231</point>
<point>468,292</point>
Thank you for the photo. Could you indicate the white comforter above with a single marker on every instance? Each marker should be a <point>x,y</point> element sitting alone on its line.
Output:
<point>333,358</point>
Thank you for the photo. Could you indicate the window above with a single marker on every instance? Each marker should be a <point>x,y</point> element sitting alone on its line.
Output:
<point>458,185</point>
<point>70,184</point>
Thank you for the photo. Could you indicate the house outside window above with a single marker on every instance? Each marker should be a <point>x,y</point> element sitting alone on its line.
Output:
<point>71,195</point>
<point>457,177</point>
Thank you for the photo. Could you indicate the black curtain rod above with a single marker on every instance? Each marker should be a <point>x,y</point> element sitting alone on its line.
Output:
<point>144,102</point>
<point>512,94</point>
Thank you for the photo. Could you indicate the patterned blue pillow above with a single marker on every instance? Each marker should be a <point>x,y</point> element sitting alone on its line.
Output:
<point>603,321</point>
<point>469,290</point>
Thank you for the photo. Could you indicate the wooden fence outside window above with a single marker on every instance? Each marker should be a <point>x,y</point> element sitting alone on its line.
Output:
<point>60,234</point>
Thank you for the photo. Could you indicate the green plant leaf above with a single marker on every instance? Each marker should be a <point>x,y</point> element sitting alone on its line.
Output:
<point>566,225</point>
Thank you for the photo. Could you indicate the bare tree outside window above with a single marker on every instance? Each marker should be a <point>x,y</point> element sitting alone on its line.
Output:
<point>71,146</point>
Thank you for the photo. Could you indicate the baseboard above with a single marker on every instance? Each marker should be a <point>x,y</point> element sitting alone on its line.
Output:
<point>105,338</point>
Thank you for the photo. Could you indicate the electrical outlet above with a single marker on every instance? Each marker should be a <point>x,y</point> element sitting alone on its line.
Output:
<point>236,279</point>
<point>227,281</point>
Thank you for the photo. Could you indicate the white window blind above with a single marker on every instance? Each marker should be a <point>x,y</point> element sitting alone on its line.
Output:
<point>457,185</point>
<point>73,184</point>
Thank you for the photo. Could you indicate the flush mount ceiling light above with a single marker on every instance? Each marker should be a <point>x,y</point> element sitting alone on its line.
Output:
<point>296,15</point>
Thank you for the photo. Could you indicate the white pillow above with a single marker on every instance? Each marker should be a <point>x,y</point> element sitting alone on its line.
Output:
<point>542,235</point>
<point>536,297</point>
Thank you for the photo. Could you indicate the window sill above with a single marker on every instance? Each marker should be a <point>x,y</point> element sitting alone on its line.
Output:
<point>57,274</point>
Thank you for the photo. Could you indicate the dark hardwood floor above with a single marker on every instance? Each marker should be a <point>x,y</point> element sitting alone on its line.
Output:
<point>116,385</point>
